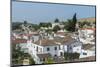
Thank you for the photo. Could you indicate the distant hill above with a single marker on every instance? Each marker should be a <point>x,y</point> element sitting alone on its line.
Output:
<point>90,19</point>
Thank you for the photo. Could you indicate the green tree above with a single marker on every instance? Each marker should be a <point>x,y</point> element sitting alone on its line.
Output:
<point>45,24</point>
<point>56,28</point>
<point>35,27</point>
<point>49,61</point>
<point>71,56</point>
<point>56,20</point>
<point>16,25</point>
<point>25,22</point>
<point>18,55</point>
<point>68,25</point>
<point>71,24</point>
<point>74,21</point>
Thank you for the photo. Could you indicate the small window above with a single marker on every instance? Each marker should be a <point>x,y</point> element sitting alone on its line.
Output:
<point>74,45</point>
<point>37,49</point>
<point>59,47</point>
<point>40,49</point>
<point>34,46</point>
<point>43,59</point>
<point>84,53</point>
<point>55,48</point>
<point>48,49</point>
<point>55,55</point>
<point>70,47</point>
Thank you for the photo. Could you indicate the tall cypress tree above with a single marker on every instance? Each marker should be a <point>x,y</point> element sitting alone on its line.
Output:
<point>74,21</point>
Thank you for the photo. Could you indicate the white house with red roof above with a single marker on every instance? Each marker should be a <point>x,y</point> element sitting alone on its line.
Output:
<point>55,46</point>
<point>87,35</point>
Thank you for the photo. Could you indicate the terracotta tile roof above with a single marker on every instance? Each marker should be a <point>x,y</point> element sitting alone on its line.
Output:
<point>17,41</point>
<point>29,35</point>
<point>87,29</point>
<point>46,42</point>
<point>64,40</point>
<point>45,55</point>
<point>61,33</point>
<point>87,46</point>
<point>55,41</point>
<point>34,33</point>
<point>92,19</point>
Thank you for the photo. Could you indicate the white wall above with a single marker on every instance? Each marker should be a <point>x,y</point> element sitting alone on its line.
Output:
<point>89,53</point>
<point>52,50</point>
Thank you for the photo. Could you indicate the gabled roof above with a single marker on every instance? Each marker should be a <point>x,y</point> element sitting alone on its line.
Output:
<point>87,29</point>
<point>56,41</point>
<point>87,46</point>
<point>17,41</point>
<point>45,55</point>
<point>46,42</point>
<point>89,19</point>
<point>61,33</point>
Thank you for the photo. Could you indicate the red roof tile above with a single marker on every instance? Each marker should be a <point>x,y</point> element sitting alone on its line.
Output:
<point>87,29</point>
<point>17,41</point>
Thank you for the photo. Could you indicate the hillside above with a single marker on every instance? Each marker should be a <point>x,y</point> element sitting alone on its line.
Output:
<point>90,19</point>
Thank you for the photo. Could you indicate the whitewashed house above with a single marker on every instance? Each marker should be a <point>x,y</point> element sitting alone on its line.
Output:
<point>87,50</point>
<point>53,46</point>
<point>86,35</point>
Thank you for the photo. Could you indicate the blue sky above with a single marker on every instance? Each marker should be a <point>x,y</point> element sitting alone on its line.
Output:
<point>43,12</point>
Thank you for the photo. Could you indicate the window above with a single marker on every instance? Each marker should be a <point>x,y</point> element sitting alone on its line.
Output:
<point>59,47</point>
<point>55,48</point>
<point>48,49</point>
<point>37,49</point>
<point>34,46</point>
<point>74,45</point>
<point>84,53</point>
<point>43,59</point>
<point>55,55</point>
<point>70,48</point>
<point>61,54</point>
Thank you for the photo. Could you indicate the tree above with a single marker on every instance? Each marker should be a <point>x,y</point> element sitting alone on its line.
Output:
<point>16,25</point>
<point>74,21</point>
<point>49,24</point>
<point>18,55</point>
<point>25,22</point>
<point>56,20</point>
<point>71,56</point>
<point>35,27</point>
<point>71,24</point>
<point>56,28</point>
<point>45,24</point>
<point>74,18</point>
<point>49,60</point>
<point>68,25</point>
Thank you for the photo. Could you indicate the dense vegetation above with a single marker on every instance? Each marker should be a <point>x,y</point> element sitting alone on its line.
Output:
<point>18,56</point>
<point>71,56</point>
